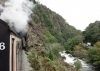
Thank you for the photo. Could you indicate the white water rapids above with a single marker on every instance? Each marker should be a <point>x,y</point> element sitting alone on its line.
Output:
<point>70,60</point>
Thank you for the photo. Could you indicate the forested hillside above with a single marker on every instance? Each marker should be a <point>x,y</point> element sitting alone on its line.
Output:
<point>92,32</point>
<point>47,35</point>
<point>54,23</point>
<point>92,35</point>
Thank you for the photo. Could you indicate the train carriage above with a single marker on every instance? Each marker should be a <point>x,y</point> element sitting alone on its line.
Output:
<point>10,48</point>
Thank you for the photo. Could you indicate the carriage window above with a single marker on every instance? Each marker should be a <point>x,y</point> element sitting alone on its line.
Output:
<point>17,55</point>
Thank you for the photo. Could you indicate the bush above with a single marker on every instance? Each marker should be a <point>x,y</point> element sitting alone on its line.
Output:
<point>51,56</point>
<point>79,51</point>
<point>47,37</point>
<point>69,45</point>
<point>78,65</point>
<point>94,54</point>
<point>56,48</point>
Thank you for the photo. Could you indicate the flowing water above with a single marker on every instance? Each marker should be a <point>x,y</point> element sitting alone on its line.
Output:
<point>70,60</point>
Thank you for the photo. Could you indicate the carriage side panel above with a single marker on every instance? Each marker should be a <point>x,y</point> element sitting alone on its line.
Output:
<point>4,46</point>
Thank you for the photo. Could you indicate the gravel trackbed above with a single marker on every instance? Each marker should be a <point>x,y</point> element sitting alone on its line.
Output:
<point>25,63</point>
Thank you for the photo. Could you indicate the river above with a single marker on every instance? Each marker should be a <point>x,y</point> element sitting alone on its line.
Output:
<point>70,60</point>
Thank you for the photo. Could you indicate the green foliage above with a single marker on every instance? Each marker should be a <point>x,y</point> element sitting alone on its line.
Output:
<point>54,31</point>
<point>47,37</point>
<point>55,24</point>
<point>92,32</point>
<point>94,54</point>
<point>80,52</point>
<point>69,45</point>
<point>39,62</point>
<point>51,56</point>
<point>78,65</point>
<point>91,53</point>
<point>34,1</point>
<point>57,35</point>
<point>56,48</point>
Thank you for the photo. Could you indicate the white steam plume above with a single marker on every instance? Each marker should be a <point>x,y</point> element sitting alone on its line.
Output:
<point>16,13</point>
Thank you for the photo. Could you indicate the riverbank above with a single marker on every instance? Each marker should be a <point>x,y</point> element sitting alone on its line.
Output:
<point>70,60</point>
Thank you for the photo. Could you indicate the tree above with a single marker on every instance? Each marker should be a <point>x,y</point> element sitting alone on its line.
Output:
<point>79,51</point>
<point>92,32</point>
<point>69,45</point>
<point>51,56</point>
<point>94,54</point>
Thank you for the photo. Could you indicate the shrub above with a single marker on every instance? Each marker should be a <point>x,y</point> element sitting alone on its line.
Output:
<point>94,54</point>
<point>47,37</point>
<point>71,42</point>
<point>56,48</point>
<point>51,56</point>
<point>78,65</point>
<point>79,52</point>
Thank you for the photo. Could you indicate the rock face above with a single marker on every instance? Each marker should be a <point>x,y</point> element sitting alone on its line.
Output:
<point>33,37</point>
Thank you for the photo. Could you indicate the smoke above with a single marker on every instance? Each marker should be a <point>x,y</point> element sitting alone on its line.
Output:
<point>16,13</point>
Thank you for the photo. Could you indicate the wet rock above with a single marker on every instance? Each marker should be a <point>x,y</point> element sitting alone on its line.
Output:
<point>31,38</point>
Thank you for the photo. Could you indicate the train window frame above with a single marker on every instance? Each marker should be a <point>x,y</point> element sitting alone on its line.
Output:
<point>13,43</point>
<point>17,55</point>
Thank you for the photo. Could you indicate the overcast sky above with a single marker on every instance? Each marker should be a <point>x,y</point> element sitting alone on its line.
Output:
<point>78,13</point>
